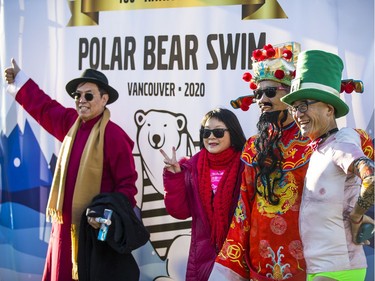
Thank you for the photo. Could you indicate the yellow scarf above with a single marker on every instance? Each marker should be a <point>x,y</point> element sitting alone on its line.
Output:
<point>88,181</point>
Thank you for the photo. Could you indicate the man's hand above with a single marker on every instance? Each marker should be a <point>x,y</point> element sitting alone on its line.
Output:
<point>91,215</point>
<point>355,225</point>
<point>10,73</point>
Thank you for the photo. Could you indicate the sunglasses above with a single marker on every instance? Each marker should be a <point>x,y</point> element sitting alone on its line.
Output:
<point>270,92</point>
<point>302,107</point>
<point>218,133</point>
<point>88,96</point>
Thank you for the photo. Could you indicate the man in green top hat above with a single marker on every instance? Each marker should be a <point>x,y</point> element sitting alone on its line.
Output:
<point>339,184</point>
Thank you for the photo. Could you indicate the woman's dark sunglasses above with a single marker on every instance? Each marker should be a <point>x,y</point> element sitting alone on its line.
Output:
<point>270,92</point>
<point>218,133</point>
<point>88,96</point>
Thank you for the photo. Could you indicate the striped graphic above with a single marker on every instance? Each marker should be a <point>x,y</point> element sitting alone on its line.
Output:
<point>162,227</point>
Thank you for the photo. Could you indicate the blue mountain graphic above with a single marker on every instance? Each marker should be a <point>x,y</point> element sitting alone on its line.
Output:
<point>25,179</point>
<point>25,174</point>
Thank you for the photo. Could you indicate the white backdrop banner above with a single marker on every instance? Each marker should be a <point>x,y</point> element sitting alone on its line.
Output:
<point>171,61</point>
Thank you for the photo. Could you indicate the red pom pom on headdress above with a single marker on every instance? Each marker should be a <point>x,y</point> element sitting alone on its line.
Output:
<point>350,85</point>
<point>246,102</point>
<point>287,54</point>
<point>275,63</point>
<point>243,102</point>
<point>279,74</point>
<point>253,86</point>
<point>257,54</point>
<point>244,108</point>
<point>270,52</point>
<point>247,76</point>
<point>349,88</point>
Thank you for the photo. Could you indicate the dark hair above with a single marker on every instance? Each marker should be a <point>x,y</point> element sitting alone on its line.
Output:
<point>237,136</point>
<point>102,91</point>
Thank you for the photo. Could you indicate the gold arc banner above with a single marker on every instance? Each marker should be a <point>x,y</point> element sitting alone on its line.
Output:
<point>86,12</point>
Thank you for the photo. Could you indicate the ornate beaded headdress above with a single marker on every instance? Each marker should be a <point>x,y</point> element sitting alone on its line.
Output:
<point>276,63</point>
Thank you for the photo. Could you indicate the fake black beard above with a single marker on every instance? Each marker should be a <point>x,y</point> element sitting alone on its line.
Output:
<point>269,127</point>
<point>269,156</point>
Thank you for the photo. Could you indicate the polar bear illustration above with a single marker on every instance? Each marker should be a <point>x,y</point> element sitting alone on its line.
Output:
<point>158,129</point>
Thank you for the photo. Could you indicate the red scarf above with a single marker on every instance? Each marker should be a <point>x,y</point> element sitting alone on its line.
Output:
<point>217,207</point>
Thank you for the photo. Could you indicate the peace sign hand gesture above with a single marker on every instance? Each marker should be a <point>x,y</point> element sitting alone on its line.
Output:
<point>171,164</point>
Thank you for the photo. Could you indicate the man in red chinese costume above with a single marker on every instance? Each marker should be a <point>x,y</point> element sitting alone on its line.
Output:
<point>263,242</point>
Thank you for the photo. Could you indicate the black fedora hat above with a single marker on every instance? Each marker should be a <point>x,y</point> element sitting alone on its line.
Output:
<point>93,76</point>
